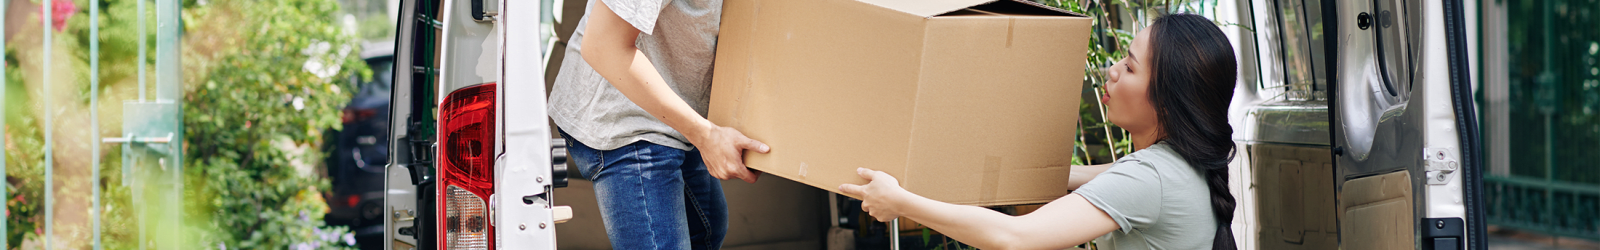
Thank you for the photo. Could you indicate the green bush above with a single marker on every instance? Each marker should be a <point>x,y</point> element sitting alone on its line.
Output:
<point>251,125</point>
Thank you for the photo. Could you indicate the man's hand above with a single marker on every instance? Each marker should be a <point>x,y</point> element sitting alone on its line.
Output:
<point>881,197</point>
<point>723,150</point>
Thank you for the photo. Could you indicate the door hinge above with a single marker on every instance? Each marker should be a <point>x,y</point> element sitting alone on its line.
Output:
<point>1440,165</point>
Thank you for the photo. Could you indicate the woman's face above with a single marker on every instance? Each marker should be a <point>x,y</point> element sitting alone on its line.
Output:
<point>1127,96</point>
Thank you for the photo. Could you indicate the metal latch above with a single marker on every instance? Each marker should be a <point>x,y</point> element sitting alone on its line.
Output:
<point>127,146</point>
<point>135,139</point>
<point>1440,165</point>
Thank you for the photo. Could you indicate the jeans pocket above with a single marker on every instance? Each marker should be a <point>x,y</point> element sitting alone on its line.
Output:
<point>588,163</point>
<point>587,160</point>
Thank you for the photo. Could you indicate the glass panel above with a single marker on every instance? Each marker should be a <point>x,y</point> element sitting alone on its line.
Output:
<point>1269,36</point>
<point>1301,47</point>
<point>1396,33</point>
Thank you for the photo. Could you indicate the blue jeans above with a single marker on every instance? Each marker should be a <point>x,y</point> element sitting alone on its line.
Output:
<point>653,196</point>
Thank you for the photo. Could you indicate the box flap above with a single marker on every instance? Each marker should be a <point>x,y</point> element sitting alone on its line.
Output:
<point>931,8</point>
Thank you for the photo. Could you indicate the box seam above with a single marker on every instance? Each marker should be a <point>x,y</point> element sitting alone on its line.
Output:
<point>916,103</point>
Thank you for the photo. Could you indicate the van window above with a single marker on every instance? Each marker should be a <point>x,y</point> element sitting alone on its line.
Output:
<point>1294,40</point>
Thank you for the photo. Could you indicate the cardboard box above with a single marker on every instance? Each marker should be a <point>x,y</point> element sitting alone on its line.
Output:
<point>964,101</point>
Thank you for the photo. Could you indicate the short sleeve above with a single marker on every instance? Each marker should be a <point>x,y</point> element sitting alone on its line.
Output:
<point>1130,192</point>
<point>641,14</point>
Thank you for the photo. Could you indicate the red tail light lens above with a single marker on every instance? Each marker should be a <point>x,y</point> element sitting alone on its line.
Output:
<point>466,168</point>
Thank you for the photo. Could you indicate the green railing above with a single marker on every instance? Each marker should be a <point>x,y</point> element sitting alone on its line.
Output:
<point>1555,208</point>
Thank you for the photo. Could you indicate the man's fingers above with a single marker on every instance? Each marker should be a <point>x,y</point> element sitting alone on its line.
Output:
<point>852,189</point>
<point>754,145</point>
<point>865,173</point>
<point>739,171</point>
<point>749,178</point>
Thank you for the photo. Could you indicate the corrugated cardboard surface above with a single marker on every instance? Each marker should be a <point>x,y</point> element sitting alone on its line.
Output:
<point>969,102</point>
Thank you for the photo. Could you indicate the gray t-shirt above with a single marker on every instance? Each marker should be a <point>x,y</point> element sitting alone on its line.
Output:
<point>679,37</point>
<point>1157,199</point>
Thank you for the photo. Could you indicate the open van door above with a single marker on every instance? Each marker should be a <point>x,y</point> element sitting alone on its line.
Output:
<point>1403,121</point>
<point>472,162</point>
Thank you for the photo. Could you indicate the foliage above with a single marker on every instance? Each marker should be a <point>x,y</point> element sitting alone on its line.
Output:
<point>24,153</point>
<point>250,126</point>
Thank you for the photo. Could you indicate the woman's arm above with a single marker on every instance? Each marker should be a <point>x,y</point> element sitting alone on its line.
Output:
<point>1083,173</point>
<point>1063,223</point>
<point>608,46</point>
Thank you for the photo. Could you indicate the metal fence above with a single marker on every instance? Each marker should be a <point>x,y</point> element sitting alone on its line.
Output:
<point>1550,207</point>
<point>150,160</point>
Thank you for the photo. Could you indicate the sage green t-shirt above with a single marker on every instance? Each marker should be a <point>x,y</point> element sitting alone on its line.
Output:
<point>1157,199</point>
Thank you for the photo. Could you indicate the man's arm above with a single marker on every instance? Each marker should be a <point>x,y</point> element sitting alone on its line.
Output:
<point>608,46</point>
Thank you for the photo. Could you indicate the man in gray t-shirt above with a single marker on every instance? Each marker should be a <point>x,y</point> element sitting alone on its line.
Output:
<point>631,99</point>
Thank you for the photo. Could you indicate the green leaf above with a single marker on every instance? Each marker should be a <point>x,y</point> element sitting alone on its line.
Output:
<point>927,235</point>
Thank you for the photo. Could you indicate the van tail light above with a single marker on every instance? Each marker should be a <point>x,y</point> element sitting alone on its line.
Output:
<point>466,168</point>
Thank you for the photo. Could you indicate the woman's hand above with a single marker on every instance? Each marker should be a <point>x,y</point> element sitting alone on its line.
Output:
<point>882,197</point>
<point>723,150</point>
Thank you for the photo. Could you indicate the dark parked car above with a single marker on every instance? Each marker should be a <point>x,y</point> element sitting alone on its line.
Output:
<point>357,153</point>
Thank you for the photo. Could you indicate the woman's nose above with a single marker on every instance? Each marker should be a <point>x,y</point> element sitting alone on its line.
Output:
<point>1110,73</point>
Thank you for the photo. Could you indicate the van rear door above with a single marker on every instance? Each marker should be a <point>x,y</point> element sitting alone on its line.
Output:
<point>1404,128</point>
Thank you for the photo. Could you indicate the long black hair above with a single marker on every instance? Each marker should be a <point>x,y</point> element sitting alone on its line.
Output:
<point>1193,84</point>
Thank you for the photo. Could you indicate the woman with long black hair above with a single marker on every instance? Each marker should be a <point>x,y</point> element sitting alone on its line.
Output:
<point>1171,93</point>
